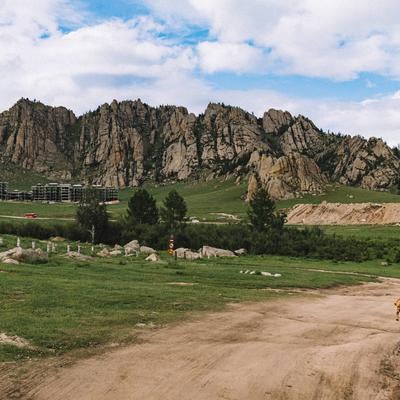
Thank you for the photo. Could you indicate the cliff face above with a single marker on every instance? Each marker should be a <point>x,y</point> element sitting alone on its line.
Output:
<point>36,137</point>
<point>125,143</point>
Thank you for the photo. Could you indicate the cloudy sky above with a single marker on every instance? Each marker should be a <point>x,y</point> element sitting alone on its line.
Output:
<point>337,62</point>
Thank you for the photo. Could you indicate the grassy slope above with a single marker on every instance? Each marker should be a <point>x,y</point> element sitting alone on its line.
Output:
<point>204,200</point>
<point>344,194</point>
<point>65,305</point>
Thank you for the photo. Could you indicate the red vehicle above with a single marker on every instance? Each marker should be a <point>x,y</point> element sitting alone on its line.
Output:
<point>31,215</point>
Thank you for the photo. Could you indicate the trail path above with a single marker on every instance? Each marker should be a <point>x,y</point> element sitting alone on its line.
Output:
<point>337,344</point>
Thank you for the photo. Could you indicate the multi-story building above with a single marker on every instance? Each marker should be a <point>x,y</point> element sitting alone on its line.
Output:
<point>3,190</point>
<point>55,192</point>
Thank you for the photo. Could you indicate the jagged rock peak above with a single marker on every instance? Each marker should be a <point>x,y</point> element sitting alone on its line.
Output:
<point>126,142</point>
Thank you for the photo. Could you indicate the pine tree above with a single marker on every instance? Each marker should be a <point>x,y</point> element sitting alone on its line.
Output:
<point>174,211</point>
<point>92,215</point>
<point>142,208</point>
<point>262,213</point>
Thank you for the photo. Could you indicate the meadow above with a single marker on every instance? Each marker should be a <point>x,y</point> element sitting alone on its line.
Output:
<point>212,201</point>
<point>66,304</point>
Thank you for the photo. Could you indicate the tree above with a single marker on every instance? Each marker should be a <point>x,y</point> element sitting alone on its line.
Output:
<point>92,216</point>
<point>262,213</point>
<point>174,211</point>
<point>142,208</point>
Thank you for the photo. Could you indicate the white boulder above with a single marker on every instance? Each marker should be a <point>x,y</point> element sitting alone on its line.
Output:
<point>147,250</point>
<point>240,252</point>
<point>104,252</point>
<point>208,251</point>
<point>153,257</point>
<point>187,254</point>
<point>132,247</point>
<point>23,255</point>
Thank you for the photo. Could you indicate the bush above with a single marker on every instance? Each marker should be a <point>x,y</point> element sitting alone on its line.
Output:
<point>308,242</point>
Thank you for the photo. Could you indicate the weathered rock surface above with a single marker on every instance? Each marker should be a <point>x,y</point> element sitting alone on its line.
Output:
<point>18,254</point>
<point>186,254</point>
<point>153,257</point>
<point>208,251</point>
<point>147,250</point>
<point>344,214</point>
<point>132,247</point>
<point>125,143</point>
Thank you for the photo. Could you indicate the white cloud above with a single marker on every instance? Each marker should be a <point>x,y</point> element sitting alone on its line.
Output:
<point>98,61</point>
<point>236,57</point>
<point>318,38</point>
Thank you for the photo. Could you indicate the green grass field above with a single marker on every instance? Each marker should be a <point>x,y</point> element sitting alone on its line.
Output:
<point>376,232</point>
<point>207,201</point>
<point>66,305</point>
<point>343,194</point>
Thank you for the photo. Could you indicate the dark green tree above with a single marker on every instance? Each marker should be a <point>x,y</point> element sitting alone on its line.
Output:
<point>142,208</point>
<point>92,216</point>
<point>174,211</point>
<point>262,213</point>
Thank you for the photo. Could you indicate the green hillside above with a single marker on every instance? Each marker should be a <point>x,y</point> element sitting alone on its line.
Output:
<point>216,200</point>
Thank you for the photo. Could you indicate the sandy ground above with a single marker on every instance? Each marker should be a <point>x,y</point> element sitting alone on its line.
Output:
<point>337,344</point>
<point>344,214</point>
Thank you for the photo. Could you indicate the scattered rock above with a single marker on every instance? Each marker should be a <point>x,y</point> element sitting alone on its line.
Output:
<point>9,261</point>
<point>180,283</point>
<point>240,252</point>
<point>115,253</point>
<point>384,264</point>
<point>153,257</point>
<point>207,251</point>
<point>23,255</point>
<point>132,247</point>
<point>263,273</point>
<point>57,239</point>
<point>14,341</point>
<point>147,250</point>
<point>104,252</point>
<point>186,254</point>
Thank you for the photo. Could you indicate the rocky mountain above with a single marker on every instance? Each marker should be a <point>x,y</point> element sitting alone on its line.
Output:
<point>126,143</point>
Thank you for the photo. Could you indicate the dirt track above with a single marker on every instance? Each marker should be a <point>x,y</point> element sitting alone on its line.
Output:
<point>339,344</point>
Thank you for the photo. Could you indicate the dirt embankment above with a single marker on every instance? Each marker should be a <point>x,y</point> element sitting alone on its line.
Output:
<point>344,214</point>
<point>339,344</point>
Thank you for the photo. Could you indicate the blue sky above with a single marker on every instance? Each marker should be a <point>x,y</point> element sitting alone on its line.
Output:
<point>335,62</point>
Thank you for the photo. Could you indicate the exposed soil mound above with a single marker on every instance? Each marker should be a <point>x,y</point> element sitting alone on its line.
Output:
<point>345,214</point>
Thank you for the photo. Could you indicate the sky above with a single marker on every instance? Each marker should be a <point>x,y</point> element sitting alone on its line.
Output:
<point>336,62</point>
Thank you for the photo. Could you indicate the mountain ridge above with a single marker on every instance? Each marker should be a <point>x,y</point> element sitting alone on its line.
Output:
<point>126,143</point>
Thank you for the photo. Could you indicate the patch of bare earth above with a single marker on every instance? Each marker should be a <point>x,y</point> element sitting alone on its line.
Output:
<point>340,344</point>
<point>344,214</point>
<point>14,341</point>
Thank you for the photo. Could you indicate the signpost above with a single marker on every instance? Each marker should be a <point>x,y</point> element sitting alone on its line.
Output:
<point>171,246</point>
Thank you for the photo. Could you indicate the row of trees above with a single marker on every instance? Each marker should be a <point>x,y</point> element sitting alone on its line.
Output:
<point>142,210</point>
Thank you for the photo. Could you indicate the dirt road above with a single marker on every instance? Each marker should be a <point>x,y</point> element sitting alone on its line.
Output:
<point>338,344</point>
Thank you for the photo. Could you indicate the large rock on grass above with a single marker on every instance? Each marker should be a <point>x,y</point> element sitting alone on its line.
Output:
<point>19,254</point>
<point>208,251</point>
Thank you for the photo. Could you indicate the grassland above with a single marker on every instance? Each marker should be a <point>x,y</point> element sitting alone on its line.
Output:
<point>65,305</point>
<point>207,201</point>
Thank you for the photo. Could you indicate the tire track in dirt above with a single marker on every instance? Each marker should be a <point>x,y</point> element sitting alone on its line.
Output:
<point>340,344</point>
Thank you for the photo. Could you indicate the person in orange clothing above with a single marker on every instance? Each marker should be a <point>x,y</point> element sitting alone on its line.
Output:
<point>397,304</point>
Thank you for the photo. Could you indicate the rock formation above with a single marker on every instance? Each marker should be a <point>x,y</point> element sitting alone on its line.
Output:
<point>126,143</point>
